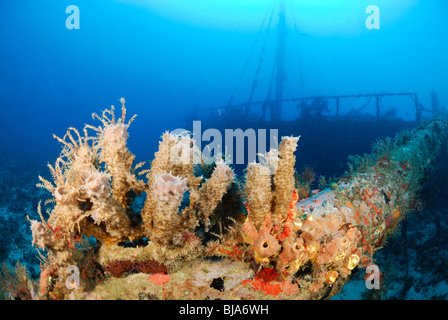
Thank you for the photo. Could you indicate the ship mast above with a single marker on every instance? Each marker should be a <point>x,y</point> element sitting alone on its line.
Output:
<point>280,78</point>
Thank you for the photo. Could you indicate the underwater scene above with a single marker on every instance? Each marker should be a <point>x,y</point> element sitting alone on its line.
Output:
<point>224,150</point>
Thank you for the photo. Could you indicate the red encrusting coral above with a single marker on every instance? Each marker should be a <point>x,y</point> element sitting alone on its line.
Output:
<point>159,278</point>
<point>269,281</point>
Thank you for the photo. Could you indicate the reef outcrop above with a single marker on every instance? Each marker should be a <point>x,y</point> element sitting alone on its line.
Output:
<point>272,246</point>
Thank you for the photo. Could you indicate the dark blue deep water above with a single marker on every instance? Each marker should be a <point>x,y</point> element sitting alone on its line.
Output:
<point>179,61</point>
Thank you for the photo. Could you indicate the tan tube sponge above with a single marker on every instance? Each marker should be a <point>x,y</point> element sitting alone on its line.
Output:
<point>284,176</point>
<point>269,187</point>
<point>212,190</point>
<point>168,192</point>
<point>176,154</point>
<point>258,192</point>
<point>105,209</point>
<point>115,154</point>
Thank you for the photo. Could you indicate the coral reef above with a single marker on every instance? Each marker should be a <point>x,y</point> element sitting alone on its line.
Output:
<point>280,247</point>
<point>16,284</point>
<point>95,183</point>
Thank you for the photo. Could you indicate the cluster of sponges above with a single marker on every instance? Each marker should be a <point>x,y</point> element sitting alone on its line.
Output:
<point>271,198</point>
<point>86,203</point>
<point>170,177</point>
<point>302,249</point>
<point>270,185</point>
<point>282,238</point>
<point>95,184</point>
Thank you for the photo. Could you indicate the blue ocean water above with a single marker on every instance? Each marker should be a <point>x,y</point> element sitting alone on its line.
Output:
<point>179,61</point>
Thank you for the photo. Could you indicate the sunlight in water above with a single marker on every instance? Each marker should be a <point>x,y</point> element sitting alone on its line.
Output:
<point>313,16</point>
